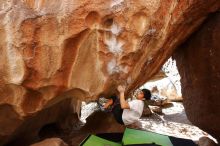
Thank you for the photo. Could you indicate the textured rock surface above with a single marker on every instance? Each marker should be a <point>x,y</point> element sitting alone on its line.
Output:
<point>205,141</point>
<point>52,50</point>
<point>198,62</point>
<point>98,122</point>
<point>50,142</point>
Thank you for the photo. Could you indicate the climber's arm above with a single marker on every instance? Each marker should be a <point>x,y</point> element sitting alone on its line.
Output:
<point>107,104</point>
<point>124,104</point>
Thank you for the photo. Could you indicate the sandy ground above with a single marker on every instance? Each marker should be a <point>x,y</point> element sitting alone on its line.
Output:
<point>172,122</point>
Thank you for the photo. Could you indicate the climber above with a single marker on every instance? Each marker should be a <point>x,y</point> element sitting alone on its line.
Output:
<point>126,112</point>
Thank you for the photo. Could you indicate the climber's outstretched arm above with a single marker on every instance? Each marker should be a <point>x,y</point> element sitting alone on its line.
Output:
<point>123,102</point>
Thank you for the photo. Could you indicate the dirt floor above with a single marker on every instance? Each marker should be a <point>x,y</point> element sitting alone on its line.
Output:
<point>173,123</point>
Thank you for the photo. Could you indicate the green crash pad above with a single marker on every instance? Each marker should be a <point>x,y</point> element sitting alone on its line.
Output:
<point>132,136</point>
<point>97,141</point>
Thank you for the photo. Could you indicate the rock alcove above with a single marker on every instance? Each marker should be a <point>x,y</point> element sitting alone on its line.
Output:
<point>55,54</point>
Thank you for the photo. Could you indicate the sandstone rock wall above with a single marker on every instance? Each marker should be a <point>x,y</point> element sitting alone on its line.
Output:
<point>198,63</point>
<point>52,50</point>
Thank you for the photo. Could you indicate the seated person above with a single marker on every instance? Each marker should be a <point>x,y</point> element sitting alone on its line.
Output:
<point>126,112</point>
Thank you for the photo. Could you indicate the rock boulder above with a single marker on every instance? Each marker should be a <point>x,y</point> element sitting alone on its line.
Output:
<point>79,49</point>
<point>198,63</point>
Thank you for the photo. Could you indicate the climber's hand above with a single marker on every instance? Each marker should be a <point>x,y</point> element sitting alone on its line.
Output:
<point>121,88</point>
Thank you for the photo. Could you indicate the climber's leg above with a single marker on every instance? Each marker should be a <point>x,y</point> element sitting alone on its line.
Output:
<point>117,112</point>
